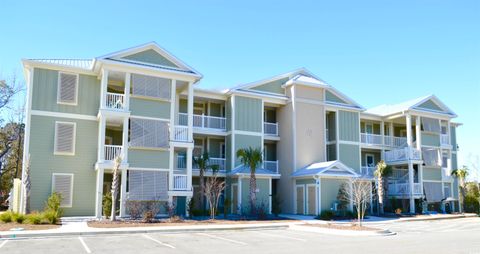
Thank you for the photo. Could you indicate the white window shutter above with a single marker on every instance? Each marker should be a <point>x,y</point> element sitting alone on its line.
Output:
<point>65,138</point>
<point>151,86</point>
<point>147,185</point>
<point>63,185</point>
<point>67,88</point>
<point>149,133</point>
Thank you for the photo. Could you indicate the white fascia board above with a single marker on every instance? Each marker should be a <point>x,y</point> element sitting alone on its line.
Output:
<point>431,114</point>
<point>304,83</point>
<point>369,116</point>
<point>271,79</point>
<point>128,67</point>
<point>333,107</point>
<point>35,64</point>
<point>267,98</point>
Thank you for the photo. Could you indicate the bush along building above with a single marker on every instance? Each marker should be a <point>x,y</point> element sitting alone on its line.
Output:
<point>144,104</point>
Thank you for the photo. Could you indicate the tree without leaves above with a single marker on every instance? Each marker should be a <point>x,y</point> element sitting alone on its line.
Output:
<point>381,172</point>
<point>213,189</point>
<point>203,163</point>
<point>250,158</point>
<point>358,191</point>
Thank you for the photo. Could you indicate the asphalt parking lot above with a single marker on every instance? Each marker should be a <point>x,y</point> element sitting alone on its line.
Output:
<point>446,236</point>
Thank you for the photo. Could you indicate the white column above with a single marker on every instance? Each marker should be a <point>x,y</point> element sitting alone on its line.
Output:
<point>127,91</point>
<point>103,88</point>
<point>123,193</point>
<point>189,168</point>
<point>411,182</point>
<point>99,196</point>
<point>318,182</point>
<point>171,168</point>
<point>101,139</point>
<point>449,134</point>
<point>173,104</point>
<point>270,197</point>
<point>408,119</point>
<point>190,112</point>
<point>125,141</point>
<point>391,131</point>
<point>177,109</point>
<point>418,133</point>
<point>382,133</point>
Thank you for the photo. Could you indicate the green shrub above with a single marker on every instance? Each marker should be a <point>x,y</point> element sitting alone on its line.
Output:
<point>51,217</point>
<point>326,215</point>
<point>34,218</point>
<point>107,204</point>
<point>6,217</point>
<point>53,212</point>
<point>18,218</point>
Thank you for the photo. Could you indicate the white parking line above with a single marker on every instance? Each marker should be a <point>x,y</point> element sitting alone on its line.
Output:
<point>84,245</point>
<point>282,236</point>
<point>3,244</point>
<point>222,238</point>
<point>159,242</point>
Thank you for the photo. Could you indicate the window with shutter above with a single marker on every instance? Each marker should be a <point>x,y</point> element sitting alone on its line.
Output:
<point>63,185</point>
<point>147,185</point>
<point>64,143</point>
<point>149,86</point>
<point>149,133</point>
<point>67,88</point>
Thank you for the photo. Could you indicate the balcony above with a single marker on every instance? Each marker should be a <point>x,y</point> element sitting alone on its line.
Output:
<point>182,163</point>
<point>112,151</point>
<point>395,141</point>
<point>179,182</point>
<point>180,133</point>
<point>270,129</point>
<point>271,166</point>
<point>115,101</point>
<point>444,140</point>
<point>371,139</point>
<point>367,171</point>
<point>403,154</point>
<point>204,122</point>
<point>403,189</point>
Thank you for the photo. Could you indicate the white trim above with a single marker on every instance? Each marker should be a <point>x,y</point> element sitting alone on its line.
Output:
<point>294,128</point>
<point>55,152</point>
<point>27,63</point>
<point>76,88</point>
<point>149,169</point>
<point>71,187</point>
<point>63,115</point>
<point>26,146</point>
<point>232,131</point>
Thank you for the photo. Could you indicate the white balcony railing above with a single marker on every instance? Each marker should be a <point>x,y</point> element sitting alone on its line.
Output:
<point>112,151</point>
<point>180,133</point>
<point>403,154</point>
<point>218,161</point>
<point>444,139</point>
<point>182,163</point>
<point>270,128</point>
<point>115,101</point>
<point>371,139</point>
<point>271,166</point>
<point>403,189</point>
<point>204,121</point>
<point>395,141</point>
<point>179,182</point>
<point>367,171</point>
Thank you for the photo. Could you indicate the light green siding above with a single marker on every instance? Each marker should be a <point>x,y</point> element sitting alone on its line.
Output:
<point>453,137</point>
<point>430,105</point>
<point>149,108</point>
<point>248,114</point>
<point>305,181</point>
<point>433,174</point>
<point>348,126</point>
<point>144,158</point>
<point>228,114</point>
<point>228,152</point>
<point>263,196</point>
<point>245,141</point>
<point>44,163</point>
<point>329,191</point>
<point>350,155</point>
<point>45,85</point>
<point>272,87</point>
<point>151,56</point>
<point>454,161</point>
<point>430,139</point>
<point>329,96</point>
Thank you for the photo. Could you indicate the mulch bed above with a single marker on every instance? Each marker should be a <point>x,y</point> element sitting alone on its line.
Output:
<point>167,222</point>
<point>9,226</point>
<point>343,227</point>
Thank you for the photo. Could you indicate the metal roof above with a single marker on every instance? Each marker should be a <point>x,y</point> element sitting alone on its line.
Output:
<point>76,63</point>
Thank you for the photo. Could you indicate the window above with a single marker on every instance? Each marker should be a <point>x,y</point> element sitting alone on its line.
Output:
<point>445,157</point>
<point>149,133</point>
<point>67,88</point>
<point>370,159</point>
<point>64,143</point>
<point>149,86</point>
<point>63,185</point>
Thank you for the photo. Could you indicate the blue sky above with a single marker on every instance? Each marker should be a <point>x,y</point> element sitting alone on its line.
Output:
<point>374,51</point>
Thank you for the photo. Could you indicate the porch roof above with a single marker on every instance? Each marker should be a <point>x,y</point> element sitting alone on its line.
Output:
<point>328,168</point>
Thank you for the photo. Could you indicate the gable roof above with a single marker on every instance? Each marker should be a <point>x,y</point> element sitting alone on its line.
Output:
<point>327,168</point>
<point>415,104</point>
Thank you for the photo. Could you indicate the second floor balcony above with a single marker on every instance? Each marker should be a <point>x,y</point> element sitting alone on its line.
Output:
<point>115,101</point>
<point>204,122</point>
<point>376,140</point>
<point>270,129</point>
<point>403,154</point>
<point>403,189</point>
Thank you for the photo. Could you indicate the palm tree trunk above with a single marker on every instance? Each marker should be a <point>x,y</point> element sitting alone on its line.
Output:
<point>380,195</point>
<point>253,189</point>
<point>202,189</point>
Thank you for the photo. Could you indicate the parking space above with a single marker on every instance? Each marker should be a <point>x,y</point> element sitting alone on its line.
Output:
<point>436,236</point>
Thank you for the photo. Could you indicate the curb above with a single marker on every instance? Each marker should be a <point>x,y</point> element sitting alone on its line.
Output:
<point>437,218</point>
<point>26,235</point>
<point>331,231</point>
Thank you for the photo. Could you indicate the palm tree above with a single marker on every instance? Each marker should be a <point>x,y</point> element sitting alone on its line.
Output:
<point>115,185</point>
<point>203,163</point>
<point>250,158</point>
<point>461,175</point>
<point>382,171</point>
